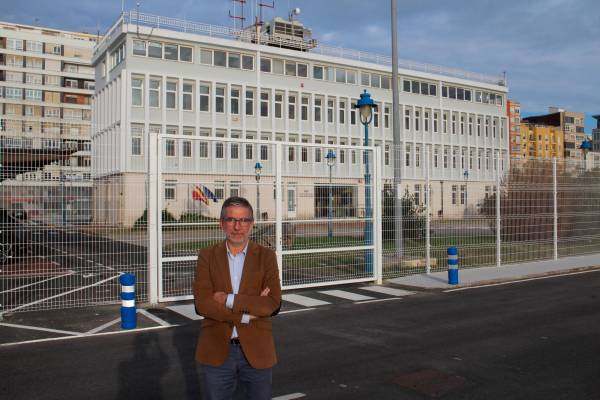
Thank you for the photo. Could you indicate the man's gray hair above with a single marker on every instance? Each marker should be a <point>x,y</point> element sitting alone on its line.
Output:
<point>236,201</point>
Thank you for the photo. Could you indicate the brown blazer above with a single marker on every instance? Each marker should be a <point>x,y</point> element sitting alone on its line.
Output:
<point>256,338</point>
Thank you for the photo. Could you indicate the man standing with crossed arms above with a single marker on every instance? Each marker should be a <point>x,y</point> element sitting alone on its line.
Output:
<point>237,290</point>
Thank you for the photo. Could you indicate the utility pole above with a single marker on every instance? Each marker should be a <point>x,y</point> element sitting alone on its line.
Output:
<point>398,234</point>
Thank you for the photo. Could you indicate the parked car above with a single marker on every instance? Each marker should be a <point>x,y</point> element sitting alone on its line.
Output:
<point>15,237</point>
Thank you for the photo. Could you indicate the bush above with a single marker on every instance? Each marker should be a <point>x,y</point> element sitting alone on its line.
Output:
<point>195,217</point>
<point>142,222</point>
<point>413,218</point>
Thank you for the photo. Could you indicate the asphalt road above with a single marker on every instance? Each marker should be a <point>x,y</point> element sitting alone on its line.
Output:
<point>530,340</point>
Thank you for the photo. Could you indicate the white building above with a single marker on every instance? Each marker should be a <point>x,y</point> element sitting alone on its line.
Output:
<point>171,76</point>
<point>46,84</point>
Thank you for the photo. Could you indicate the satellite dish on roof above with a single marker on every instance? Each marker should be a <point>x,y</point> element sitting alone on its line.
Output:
<point>293,12</point>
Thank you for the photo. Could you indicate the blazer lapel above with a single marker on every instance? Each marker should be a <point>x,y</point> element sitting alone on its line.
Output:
<point>249,265</point>
<point>223,267</point>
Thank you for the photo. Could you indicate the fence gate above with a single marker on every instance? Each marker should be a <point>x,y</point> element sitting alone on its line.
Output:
<point>318,208</point>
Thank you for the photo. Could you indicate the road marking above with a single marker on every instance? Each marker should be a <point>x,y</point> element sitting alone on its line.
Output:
<point>289,396</point>
<point>187,310</point>
<point>60,295</point>
<point>387,290</point>
<point>303,300</point>
<point>519,281</point>
<point>80,336</point>
<point>299,310</point>
<point>153,317</point>
<point>378,300</point>
<point>37,283</point>
<point>102,327</point>
<point>37,328</point>
<point>347,295</point>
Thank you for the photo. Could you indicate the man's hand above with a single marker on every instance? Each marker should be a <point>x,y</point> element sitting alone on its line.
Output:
<point>265,292</point>
<point>220,297</point>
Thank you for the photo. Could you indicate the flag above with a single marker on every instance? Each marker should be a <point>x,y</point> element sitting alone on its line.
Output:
<point>197,194</point>
<point>210,194</point>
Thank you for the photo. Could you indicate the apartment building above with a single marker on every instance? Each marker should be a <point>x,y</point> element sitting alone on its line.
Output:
<point>513,111</point>
<point>571,123</point>
<point>541,141</point>
<point>46,84</point>
<point>153,76</point>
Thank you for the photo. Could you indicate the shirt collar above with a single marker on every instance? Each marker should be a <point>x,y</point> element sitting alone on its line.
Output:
<point>244,251</point>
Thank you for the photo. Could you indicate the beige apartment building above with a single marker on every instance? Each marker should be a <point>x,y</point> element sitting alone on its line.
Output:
<point>571,123</point>
<point>541,141</point>
<point>513,110</point>
<point>46,84</point>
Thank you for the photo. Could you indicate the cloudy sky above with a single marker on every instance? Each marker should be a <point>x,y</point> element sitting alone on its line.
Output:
<point>549,49</point>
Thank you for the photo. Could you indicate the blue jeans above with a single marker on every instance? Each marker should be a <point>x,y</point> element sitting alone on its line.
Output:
<point>219,383</point>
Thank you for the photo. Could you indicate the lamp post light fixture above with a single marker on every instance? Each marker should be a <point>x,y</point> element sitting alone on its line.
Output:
<point>330,163</point>
<point>586,146</point>
<point>257,172</point>
<point>365,106</point>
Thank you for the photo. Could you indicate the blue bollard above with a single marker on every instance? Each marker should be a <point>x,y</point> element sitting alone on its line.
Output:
<point>128,313</point>
<point>452,265</point>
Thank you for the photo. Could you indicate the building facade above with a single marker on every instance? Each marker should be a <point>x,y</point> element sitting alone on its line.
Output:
<point>513,111</point>
<point>571,123</point>
<point>154,77</point>
<point>541,141</point>
<point>46,85</point>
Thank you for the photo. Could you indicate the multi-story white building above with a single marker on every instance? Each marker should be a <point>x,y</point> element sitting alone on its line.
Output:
<point>160,75</point>
<point>46,84</point>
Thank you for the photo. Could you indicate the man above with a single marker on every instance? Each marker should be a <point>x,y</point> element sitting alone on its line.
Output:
<point>237,290</point>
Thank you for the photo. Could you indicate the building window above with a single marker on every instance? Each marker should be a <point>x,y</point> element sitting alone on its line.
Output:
<point>249,102</point>
<point>342,112</point>
<point>220,99</point>
<point>317,72</point>
<point>33,94</point>
<point>407,155</point>
<point>247,62</point>
<point>304,108</point>
<point>387,154</point>
<point>234,99</point>
<point>454,193</point>
<point>234,150</point>
<point>188,96</point>
<point>278,105</point>
<point>407,119</point>
<point>304,154</point>
<point>264,152</point>
<point>264,104</point>
<point>171,94</point>
<point>220,58</point>
<point>292,106</point>
<point>203,150</point>
<point>170,147</point>
<point>170,191</point>
<point>154,93</point>
<point>234,60</point>
<point>265,65</point>
<point>137,91</point>
<point>249,151</point>
<point>291,154</point>
<point>318,108</point>
<point>219,150</point>
<point>187,148</point>
<point>417,120</point>
<point>463,194</point>
<point>155,49</point>
<point>186,54</point>
<point>206,57</point>
<point>139,48</point>
<point>204,97</point>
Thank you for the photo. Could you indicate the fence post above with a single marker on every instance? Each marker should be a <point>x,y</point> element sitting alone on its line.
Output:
<point>152,215</point>
<point>555,208</point>
<point>279,209</point>
<point>498,240</point>
<point>378,214</point>
<point>427,213</point>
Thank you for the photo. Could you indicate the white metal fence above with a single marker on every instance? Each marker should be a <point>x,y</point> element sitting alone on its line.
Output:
<point>66,235</point>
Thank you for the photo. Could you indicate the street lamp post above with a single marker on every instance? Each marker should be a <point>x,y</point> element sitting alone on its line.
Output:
<point>466,176</point>
<point>366,105</point>
<point>585,147</point>
<point>257,172</point>
<point>330,162</point>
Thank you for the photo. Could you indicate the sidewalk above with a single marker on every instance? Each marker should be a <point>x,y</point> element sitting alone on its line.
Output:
<point>512,272</point>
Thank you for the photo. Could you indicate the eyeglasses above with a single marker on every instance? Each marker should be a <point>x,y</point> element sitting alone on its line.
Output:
<point>242,221</point>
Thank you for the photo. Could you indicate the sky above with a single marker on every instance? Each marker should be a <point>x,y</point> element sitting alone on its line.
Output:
<point>549,49</point>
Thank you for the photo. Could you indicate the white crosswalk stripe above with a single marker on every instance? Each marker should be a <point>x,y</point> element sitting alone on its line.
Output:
<point>347,295</point>
<point>388,290</point>
<point>187,310</point>
<point>303,300</point>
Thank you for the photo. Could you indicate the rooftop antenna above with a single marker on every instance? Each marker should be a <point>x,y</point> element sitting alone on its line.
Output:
<point>238,17</point>
<point>261,6</point>
<point>293,12</point>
